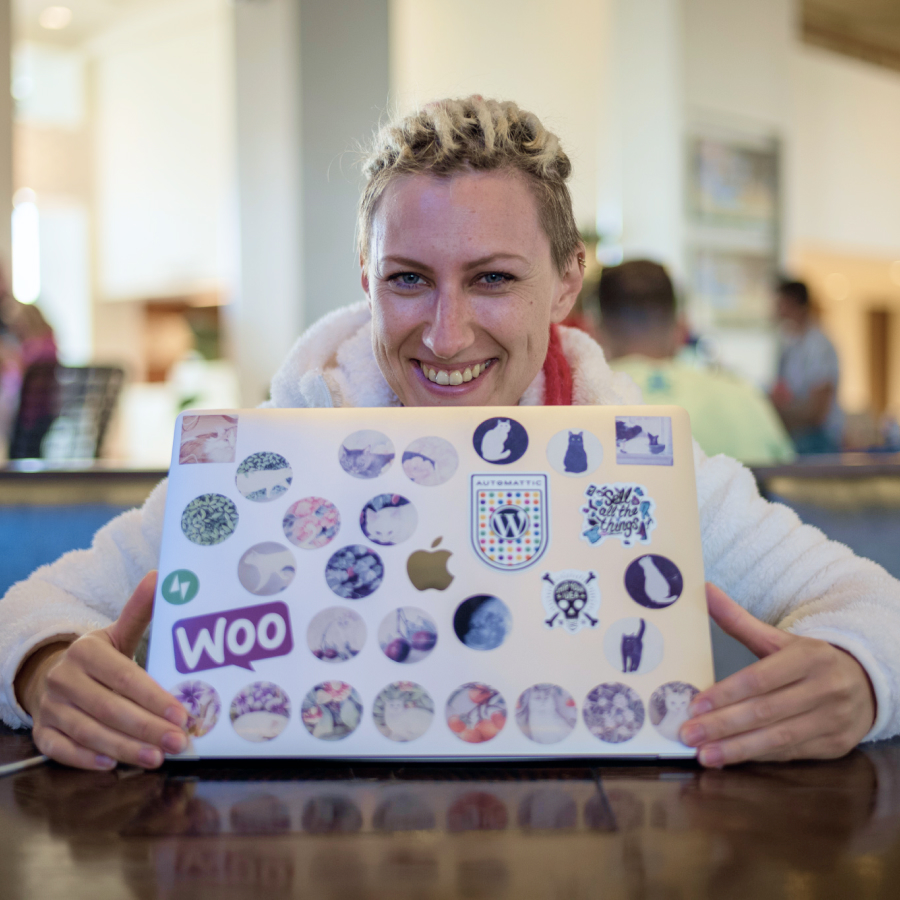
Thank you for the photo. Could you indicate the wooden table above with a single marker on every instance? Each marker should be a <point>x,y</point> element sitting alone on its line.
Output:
<point>325,830</point>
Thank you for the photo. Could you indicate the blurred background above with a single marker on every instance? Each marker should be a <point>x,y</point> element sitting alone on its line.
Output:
<point>181,176</point>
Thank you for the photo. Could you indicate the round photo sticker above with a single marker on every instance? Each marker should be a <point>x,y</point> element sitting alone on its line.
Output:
<point>311,523</point>
<point>500,441</point>
<point>669,707</point>
<point>476,713</point>
<point>331,710</point>
<point>388,519</point>
<point>354,572</point>
<point>263,477</point>
<point>202,704</point>
<point>574,452</point>
<point>653,581</point>
<point>403,711</point>
<point>209,519</point>
<point>633,646</point>
<point>260,711</point>
<point>266,569</point>
<point>366,454</point>
<point>482,622</point>
<point>613,712</point>
<point>407,634</point>
<point>546,713</point>
<point>430,461</point>
<point>336,634</point>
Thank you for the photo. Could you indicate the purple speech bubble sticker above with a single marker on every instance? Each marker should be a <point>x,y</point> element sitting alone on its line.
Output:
<point>236,637</point>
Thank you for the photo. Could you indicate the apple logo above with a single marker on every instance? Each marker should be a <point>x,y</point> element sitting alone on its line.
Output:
<point>429,570</point>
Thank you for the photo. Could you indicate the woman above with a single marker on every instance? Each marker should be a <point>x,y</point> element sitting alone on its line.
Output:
<point>470,256</point>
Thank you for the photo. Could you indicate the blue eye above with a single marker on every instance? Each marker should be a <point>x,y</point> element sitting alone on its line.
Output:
<point>495,279</point>
<point>406,279</point>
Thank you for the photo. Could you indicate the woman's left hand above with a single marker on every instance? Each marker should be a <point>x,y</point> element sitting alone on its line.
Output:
<point>804,699</point>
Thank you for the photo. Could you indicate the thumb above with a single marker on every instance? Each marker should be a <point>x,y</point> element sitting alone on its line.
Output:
<point>126,632</point>
<point>758,637</point>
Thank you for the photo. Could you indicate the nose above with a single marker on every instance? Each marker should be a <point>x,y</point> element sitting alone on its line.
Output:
<point>451,328</point>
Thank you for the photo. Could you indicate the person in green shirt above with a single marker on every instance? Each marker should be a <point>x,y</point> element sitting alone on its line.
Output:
<point>641,335</point>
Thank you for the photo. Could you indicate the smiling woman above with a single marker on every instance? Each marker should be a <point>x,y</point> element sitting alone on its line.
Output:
<point>470,259</point>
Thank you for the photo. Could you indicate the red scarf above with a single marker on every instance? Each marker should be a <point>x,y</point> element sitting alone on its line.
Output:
<point>557,374</point>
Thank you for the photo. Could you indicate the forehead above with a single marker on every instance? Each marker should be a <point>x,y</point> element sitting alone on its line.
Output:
<point>490,212</point>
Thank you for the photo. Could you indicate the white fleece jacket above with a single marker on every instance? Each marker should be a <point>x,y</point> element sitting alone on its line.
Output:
<point>783,572</point>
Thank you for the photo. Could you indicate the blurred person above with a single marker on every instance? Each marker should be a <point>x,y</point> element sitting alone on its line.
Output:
<point>641,336</point>
<point>805,393</point>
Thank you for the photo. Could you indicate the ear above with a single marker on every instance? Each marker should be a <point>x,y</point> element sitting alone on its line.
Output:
<point>569,286</point>
<point>364,279</point>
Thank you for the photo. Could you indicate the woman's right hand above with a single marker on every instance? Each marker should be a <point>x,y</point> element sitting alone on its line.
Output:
<point>93,706</point>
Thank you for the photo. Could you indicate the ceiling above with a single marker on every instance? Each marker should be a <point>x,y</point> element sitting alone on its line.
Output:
<point>864,29</point>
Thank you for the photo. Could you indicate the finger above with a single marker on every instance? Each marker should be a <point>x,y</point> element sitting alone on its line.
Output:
<point>92,735</point>
<point>63,749</point>
<point>118,713</point>
<point>755,680</point>
<point>107,666</point>
<point>126,632</point>
<point>761,639</point>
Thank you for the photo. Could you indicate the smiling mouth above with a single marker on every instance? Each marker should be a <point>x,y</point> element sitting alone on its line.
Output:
<point>454,377</point>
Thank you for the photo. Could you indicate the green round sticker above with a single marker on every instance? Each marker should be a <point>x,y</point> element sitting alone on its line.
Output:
<point>180,587</point>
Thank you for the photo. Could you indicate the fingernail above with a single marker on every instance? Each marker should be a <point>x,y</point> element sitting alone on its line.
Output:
<point>150,757</point>
<point>177,716</point>
<point>104,762</point>
<point>712,757</point>
<point>693,735</point>
<point>174,742</point>
<point>698,707</point>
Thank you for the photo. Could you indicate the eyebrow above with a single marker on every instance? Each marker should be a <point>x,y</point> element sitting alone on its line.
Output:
<point>474,264</point>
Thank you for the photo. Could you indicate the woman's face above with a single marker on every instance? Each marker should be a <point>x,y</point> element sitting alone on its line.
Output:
<point>462,289</point>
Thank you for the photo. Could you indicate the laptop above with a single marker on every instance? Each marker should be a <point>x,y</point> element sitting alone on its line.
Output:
<point>455,583</point>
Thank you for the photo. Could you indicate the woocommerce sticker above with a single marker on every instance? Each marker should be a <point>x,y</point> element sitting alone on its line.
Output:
<point>237,637</point>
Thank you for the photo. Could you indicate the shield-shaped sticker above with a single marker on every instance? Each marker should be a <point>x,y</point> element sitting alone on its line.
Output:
<point>509,520</point>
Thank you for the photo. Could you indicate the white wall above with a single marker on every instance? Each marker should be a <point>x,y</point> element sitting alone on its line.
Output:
<point>845,160</point>
<point>164,136</point>
<point>546,57</point>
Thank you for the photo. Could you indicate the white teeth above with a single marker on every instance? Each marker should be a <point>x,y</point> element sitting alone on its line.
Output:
<point>442,377</point>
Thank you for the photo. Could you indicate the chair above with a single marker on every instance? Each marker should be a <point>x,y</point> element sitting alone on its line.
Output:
<point>64,411</point>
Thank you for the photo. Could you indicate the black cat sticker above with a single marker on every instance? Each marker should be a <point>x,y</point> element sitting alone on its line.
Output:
<point>633,646</point>
<point>574,452</point>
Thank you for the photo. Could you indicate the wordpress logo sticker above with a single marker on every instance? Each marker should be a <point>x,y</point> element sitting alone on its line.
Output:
<point>237,637</point>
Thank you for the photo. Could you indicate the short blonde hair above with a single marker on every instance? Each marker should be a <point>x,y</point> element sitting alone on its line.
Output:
<point>450,136</point>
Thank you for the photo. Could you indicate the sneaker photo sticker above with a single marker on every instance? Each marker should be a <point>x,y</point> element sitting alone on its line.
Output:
<point>509,519</point>
<point>620,510</point>
<point>571,600</point>
<point>644,441</point>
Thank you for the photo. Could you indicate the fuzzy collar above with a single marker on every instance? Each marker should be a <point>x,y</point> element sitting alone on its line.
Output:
<point>332,364</point>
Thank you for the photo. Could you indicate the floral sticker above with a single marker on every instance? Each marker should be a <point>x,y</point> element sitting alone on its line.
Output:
<point>202,704</point>
<point>430,461</point>
<point>407,635</point>
<point>331,710</point>
<point>209,519</point>
<point>403,711</point>
<point>623,511</point>
<point>546,713</point>
<point>336,634</point>
<point>388,519</point>
<point>207,439</point>
<point>263,477</point>
<point>311,523</point>
<point>669,708</point>
<point>476,713</point>
<point>613,712</point>
<point>260,711</point>
<point>354,572</point>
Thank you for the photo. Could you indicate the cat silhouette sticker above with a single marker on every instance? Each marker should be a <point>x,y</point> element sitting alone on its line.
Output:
<point>669,708</point>
<point>574,452</point>
<point>653,581</point>
<point>571,600</point>
<point>509,520</point>
<point>388,519</point>
<point>633,646</point>
<point>644,441</point>
<point>500,441</point>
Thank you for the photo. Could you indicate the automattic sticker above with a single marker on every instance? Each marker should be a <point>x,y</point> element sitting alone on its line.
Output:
<point>622,510</point>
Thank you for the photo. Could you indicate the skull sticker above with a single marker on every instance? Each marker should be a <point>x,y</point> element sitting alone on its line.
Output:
<point>571,600</point>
